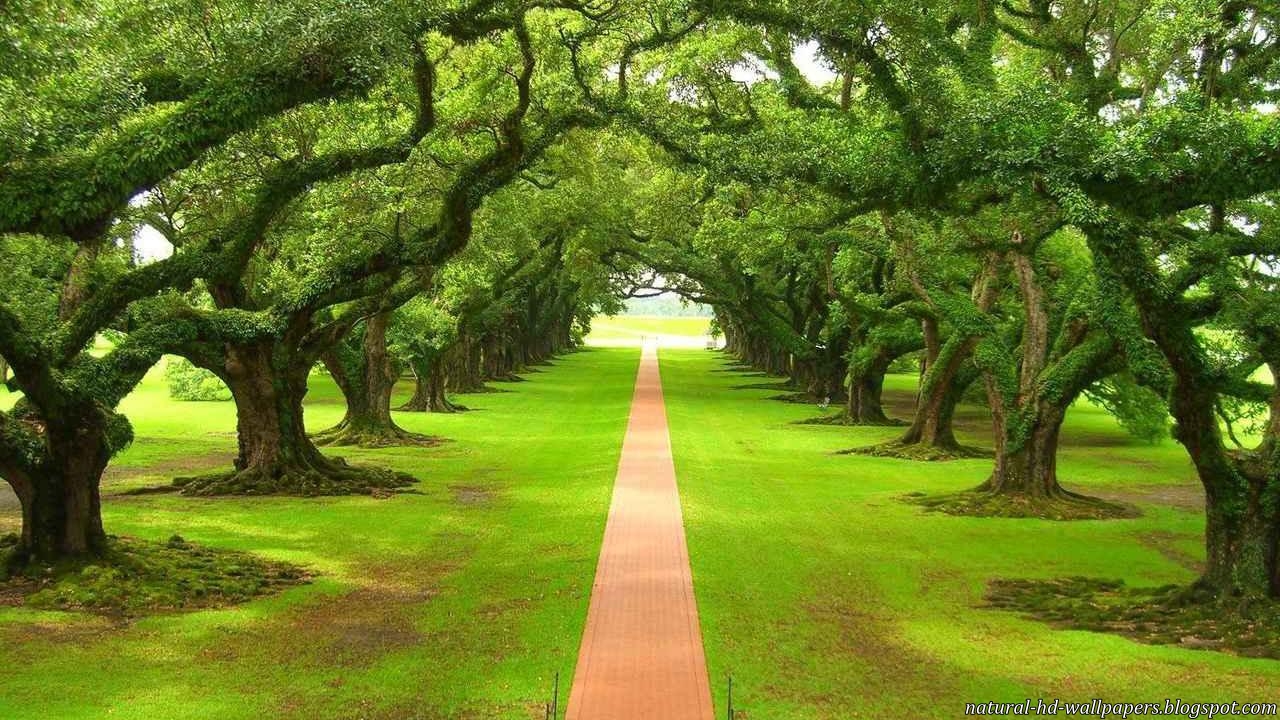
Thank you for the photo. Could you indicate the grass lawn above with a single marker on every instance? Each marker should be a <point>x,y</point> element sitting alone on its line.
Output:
<point>459,602</point>
<point>827,598</point>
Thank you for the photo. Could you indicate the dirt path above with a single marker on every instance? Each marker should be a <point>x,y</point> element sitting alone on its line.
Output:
<point>641,654</point>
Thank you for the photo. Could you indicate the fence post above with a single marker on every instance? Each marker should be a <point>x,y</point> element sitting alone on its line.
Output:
<point>553,707</point>
<point>729,714</point>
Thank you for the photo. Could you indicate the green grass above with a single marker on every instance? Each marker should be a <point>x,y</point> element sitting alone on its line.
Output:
<point>827,598</point>
<point>627,327</point>
<point>460,602</point>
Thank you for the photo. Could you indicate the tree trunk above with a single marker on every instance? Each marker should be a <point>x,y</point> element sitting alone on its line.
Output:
<point>463,366</point>
<point>429,388</point>
<point>931,425</point>
<point>269,416</point>
<point>4,371</point>
<point>275,455</point>
<point>472,379</point>
<point>779,362</point>
<point>498,361</point>
<point>61,508</point>
<point>1031,467</point>
<point>1242,516</point>
<point>803,375</point>
<point>1242,539</point>
<point>866,387</point>
<point>420,401</point>
<point>366,378</point>
<point>1027,420</point>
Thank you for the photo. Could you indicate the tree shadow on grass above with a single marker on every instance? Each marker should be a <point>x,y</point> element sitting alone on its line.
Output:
<point>1168,615</point>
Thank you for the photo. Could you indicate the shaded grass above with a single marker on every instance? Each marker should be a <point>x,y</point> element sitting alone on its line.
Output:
<point>425,605</point>
<point>1169,615</point>
<point>827,598</point>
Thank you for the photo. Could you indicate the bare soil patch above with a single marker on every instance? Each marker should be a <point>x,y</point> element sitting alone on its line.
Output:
<point>1187,496</point>
<point>471,495</point>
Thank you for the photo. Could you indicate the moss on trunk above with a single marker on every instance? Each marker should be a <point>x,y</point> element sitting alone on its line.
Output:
<point>61,507</point>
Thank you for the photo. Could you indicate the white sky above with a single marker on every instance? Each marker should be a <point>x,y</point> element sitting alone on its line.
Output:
<point>814,69</point>
<point>150,245</point>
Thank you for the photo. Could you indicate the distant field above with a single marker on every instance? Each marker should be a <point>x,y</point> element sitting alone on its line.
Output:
<point>630,329</point>
<point>1263,374</point>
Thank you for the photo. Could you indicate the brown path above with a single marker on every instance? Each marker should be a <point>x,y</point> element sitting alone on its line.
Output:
<point>641,654</point>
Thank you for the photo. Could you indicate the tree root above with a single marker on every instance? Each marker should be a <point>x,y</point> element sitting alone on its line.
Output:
<point>1169,615</point>
<point>844,419</point>
<point>333,477</point>
<point>372,437</point>
<point>920,451</point>
<point>1061,506</point>
<point>450,407</point>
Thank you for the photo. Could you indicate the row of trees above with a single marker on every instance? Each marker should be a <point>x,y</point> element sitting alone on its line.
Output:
<point>1041,199</point>
<point>319,171</point>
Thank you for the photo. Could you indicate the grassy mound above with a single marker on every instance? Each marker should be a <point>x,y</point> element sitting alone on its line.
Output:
<point>334,478</point>
<point>1065,506</point>
<point>919,451</point>
<point>345,436</point>
<point>1169,615</point>
<point>844,419</point>
<point>134,577</point>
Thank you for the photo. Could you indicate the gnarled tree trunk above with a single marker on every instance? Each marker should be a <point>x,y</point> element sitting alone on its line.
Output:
<point>365,374</point>
<point>931,425</point>
<point>275,455</point>
<point>864,405</point>
<point>59,495</point>
<point>1027,418</point>
<point>1029,469</point>
<point>930,436</point>
<point>946,376</point>
<point>430,380</point>
<point>1242,501</point>
<point>1242,513</point>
